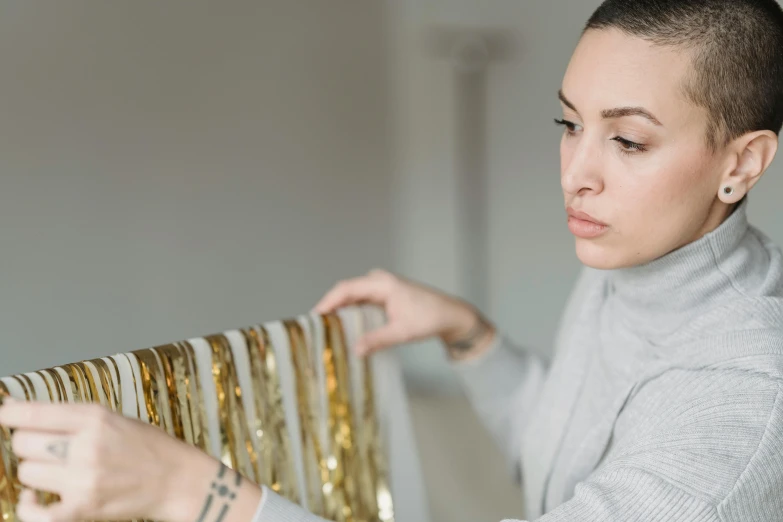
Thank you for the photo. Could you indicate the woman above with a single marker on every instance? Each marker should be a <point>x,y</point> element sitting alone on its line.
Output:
<point>663,400</point>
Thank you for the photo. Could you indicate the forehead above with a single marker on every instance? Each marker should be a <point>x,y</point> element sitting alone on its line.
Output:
<point>612,69</point>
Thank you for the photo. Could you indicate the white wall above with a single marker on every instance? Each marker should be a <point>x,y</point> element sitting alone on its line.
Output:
<point>169,169</point>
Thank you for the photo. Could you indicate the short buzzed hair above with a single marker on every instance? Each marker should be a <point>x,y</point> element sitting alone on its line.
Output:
<point>737,49</point>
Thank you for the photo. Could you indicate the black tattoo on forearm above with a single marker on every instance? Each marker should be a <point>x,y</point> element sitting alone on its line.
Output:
<point>59,449</point>
<point>222,490</point>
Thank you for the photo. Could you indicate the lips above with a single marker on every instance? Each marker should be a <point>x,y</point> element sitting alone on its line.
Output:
<point>583,216</point>
<point>584,225</point>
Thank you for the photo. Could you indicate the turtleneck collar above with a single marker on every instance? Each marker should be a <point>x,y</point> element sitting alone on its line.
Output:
<point>658,297</point>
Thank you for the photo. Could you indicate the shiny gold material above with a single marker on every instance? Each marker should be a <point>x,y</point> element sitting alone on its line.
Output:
<point>263,462</point>
<point>24,387</point>
<point>58,382</point>
<point>198,414</point>
<point>135,386</point>
<point>89,382</point>
<point>48,388</point>
<point>371,446</point>
<point>173,367</point>
<point>8,490</point>
<point>107,385</point>
<point>78,386</point>
<point>29,384</point>
<point>174,364</point>
<point>345,468</point>
<point>342,449</point>
<point>153,384</point>
<point>237,449</point>
<point>317,481</point>
<point>118,391</point>
<point>275,461</point>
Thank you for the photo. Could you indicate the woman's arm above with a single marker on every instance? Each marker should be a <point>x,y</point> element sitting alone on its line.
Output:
<point>210,492</point>
<point>108,467</point>
<point>502,384</point>
<point>503,381</point>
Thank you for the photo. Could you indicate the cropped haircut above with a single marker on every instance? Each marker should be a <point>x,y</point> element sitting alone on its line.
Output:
<point>737,56</point>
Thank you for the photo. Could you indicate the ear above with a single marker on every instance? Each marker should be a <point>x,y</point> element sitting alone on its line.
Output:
<point>751,154</point>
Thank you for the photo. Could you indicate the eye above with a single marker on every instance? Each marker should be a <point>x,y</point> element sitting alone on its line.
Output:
<point>570,126</point>
<point>628,146</point>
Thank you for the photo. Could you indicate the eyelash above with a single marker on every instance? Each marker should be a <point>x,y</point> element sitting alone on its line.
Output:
<point>626,146</point>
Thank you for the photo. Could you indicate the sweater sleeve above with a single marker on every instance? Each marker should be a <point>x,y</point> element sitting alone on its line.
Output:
<point>700,446</point>
<point>618,496</point>
<point>502,385</point>
<point>274,508</point>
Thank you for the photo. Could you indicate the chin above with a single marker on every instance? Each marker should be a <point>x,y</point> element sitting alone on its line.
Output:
<point>602,257</point>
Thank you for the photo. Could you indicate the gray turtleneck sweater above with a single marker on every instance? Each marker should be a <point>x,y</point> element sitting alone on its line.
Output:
<point>662,401</point>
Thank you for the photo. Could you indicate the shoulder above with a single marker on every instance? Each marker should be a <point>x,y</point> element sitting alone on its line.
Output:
<point>708,431</point>
<point>761,481</point>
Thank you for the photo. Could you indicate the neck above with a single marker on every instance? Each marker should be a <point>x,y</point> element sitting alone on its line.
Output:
<point>658,297</point>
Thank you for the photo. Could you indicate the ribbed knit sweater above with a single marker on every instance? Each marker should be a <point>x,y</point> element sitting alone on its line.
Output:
<point>663,398</point>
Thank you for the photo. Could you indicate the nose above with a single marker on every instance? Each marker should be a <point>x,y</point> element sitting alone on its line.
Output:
<point>581,168</point>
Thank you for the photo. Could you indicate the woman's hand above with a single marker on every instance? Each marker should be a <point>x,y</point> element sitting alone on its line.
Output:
<point>108,467</point>
<point>414,312</point>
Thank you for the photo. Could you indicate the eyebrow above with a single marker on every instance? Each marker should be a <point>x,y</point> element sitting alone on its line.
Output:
<point>617,112</point>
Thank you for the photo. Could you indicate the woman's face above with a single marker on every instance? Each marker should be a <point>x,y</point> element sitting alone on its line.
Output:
<point>633,154</point>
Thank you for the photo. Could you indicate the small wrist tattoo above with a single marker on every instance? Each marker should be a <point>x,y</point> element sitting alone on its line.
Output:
<point>59,449</point>
<point>468,342</point>
<point>224,489</point>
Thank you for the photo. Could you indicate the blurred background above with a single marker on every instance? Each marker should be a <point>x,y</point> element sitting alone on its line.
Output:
<point>171,169</point>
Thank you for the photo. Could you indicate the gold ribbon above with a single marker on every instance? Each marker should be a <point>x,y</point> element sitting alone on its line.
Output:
<point>135,385</point>
<point>113,396</point>
<point>237,450</point>
<point>344,466</point>
<point>76,381</point>
<point>198,414</point>
<point>48,388</point>
<point>173,367</point>
<point>318,487</point>
<point>153,384</point>
<point>275,462</point>
<point>58,383</point>
<point>88,382</point>
<point>29,385</point>
<point>8,481</point>
<point>345,469</point>
<point>371,446</point>
<point>22,385</point>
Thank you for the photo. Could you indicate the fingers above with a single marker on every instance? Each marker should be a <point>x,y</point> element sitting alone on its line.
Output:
<point>40,446</point>
<point>372,288</point>
<point>43,476</point>
<point>39,416</point>
<point>379,339</point>
<point>30,511</point>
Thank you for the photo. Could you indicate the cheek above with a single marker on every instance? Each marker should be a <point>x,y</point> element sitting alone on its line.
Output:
<point>670,182</point>
<point>662,201</point>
